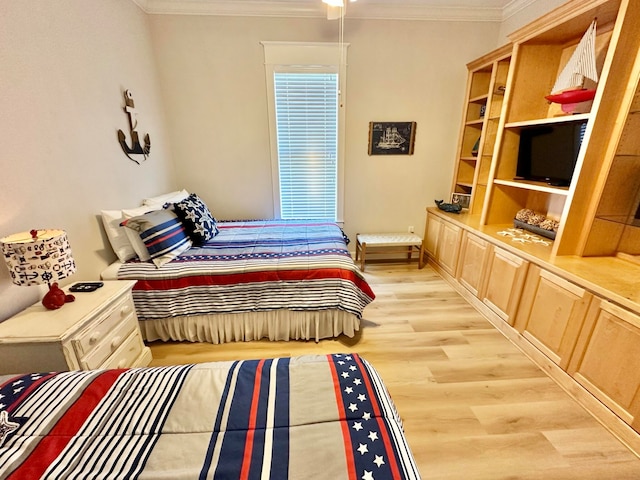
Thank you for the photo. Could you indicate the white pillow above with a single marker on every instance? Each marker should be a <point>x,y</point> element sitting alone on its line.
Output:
<point>117,235</point>
<point>171,197</point>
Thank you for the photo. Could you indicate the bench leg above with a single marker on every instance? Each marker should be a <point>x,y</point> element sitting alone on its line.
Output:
<point>363,252</point>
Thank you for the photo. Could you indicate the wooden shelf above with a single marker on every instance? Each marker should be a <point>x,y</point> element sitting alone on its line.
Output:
<point>535,186</point>
<point>479,99</point>
<point>606,179</point>
<point>549,121</point>
<point>479,132</point>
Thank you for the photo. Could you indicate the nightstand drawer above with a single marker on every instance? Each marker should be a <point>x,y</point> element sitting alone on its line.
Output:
<point>127,354</point>
<point>109,344</point>
<point>97,333</point>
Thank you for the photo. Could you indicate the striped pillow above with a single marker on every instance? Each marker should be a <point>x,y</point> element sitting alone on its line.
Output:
<point>162,233</point>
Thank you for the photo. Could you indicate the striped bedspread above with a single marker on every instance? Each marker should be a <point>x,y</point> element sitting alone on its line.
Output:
<point>253,266</point>
<point>309,417</point>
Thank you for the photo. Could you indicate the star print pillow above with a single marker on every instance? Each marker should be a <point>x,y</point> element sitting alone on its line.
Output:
<point>197,219</point>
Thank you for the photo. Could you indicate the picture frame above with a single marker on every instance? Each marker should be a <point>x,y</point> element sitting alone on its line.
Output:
<point>462,199</point>
<point>392,138</point>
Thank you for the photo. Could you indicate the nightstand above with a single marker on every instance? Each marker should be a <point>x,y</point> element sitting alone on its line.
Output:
<point>98,330</point>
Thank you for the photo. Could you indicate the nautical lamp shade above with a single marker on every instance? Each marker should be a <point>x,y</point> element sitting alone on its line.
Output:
<point>38,256</point>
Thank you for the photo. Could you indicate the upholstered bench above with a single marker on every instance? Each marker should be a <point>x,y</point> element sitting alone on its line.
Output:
<point>385,243</point>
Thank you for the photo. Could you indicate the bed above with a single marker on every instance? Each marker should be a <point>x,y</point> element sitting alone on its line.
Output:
<point>280,280</point>
<point>307,417</point>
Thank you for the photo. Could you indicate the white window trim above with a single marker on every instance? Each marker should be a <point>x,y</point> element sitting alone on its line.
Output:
<point>306,57</point>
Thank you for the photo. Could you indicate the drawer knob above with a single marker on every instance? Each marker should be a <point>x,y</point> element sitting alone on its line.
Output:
<point>115,342</point>
<point>94,338</point>
<point>122,363</point>
<point>124,311</point>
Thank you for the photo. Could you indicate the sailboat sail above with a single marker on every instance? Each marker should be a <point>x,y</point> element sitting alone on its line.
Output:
<point>581,64</point>
<point>569,86</point>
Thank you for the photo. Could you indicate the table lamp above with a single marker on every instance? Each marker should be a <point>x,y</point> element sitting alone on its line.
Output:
<point>38,257</point>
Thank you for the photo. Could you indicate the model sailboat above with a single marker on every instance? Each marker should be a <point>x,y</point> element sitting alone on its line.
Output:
<point>569,87</point>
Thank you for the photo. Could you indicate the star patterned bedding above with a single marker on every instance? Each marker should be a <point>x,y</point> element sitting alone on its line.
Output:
<point>253,266</point>
<point>308,417</point>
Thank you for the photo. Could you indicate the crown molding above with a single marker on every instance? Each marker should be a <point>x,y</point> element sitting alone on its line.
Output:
<point>514,7</point>
<point>316,9</point>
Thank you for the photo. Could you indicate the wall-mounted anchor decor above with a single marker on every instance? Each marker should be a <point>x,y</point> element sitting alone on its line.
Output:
<point>136,152</point>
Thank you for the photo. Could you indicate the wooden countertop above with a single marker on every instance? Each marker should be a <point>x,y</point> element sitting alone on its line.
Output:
<point>614,278</point>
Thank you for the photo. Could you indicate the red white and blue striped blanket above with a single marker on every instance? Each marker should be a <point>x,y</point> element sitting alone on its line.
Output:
<point>253,266</point>
<point>308,417</point>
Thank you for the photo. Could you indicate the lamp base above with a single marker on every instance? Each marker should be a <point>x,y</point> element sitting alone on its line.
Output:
<point>56,298</point>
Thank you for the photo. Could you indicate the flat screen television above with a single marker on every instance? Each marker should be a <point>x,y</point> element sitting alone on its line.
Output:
<point>548,153</point>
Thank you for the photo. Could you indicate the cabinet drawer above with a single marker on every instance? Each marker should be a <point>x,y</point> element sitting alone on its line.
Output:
<point>109,343</point>
<point>127,354</point>
<point>96,333</point>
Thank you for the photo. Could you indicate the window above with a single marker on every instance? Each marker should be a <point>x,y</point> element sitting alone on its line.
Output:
<point>306,117</point>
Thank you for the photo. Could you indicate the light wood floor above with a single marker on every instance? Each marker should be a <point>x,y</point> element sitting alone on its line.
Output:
<point>474,406</point>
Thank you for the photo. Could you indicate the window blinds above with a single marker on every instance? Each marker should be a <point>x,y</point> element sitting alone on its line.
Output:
<point>306,106</point>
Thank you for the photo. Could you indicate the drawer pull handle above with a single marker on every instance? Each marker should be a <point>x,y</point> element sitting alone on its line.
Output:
<point>94,338</point>
<point>124,311</point>
<point>115,342</point>
<point>122,363</point>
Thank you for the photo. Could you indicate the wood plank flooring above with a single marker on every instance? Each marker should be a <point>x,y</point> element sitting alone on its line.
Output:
<point>474,407</point>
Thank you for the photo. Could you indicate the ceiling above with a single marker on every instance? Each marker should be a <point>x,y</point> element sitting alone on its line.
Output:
<point>462,10</point>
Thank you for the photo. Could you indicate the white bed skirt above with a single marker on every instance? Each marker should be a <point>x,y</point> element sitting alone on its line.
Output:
<point>238,327</point>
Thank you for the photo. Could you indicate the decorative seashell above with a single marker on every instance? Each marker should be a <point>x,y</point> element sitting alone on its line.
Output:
<point>549,224</point>
<point>536,219</point>
<point>524,214</point>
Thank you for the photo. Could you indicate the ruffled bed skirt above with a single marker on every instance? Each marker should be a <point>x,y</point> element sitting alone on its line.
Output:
<point>238,327</point>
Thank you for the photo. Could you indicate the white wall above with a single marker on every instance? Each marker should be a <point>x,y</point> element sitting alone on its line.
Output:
<point>213,83</point>
<point>64,65</point>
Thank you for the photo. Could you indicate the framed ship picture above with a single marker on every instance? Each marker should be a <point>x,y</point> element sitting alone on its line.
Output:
<point>391,138</point>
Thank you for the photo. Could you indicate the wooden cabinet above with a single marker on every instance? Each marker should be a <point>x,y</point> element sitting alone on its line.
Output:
<point>98,330</point>
<point>486,85</point>
<point>606,360</point>
<point>474,255</point>
<point>551,314</point>
<point>503,283</point>
<point>540,51</point>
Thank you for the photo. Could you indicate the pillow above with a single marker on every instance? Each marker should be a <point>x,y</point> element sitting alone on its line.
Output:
<point>117,235</point>
<point>171,197</point>
<point>132,236</point>
<point>197,219</point>
<point>162,233</point>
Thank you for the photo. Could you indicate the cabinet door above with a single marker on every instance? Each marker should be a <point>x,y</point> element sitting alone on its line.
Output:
<point>448,247</point>
<point>503,283</point>
<point>474,254</point>
<point>551,314</point>
<point>432,234</point>
<point>606,360</point>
